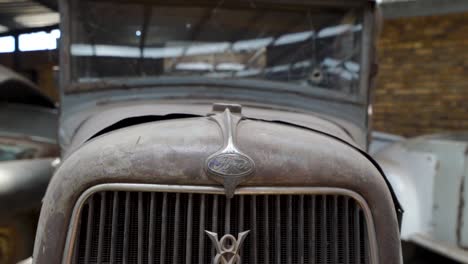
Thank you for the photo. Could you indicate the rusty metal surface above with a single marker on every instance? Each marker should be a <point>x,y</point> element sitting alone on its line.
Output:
<point>174,152</point>
<point>83,125</point>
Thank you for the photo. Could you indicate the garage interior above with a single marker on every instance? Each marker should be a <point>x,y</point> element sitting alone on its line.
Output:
<point>423,72</point>
<point>421,89</point>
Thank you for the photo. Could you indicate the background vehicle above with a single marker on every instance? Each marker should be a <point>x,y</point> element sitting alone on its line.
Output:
<point>28,123</point>
<point>429,176</point>
<point>212,118</point>
<point>380,140</point>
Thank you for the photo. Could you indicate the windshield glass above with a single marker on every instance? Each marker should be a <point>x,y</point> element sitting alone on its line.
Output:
<point>315,48</point>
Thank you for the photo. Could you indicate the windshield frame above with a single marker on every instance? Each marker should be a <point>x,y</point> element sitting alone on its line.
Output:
<point>366,56</point>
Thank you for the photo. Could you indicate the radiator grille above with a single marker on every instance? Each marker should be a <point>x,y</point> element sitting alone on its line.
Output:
<point>151,227</point>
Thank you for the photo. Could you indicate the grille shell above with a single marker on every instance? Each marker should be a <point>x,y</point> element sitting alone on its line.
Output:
<point>326,237</point>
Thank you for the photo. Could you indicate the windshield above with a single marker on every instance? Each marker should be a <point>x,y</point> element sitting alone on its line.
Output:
<point>315,48</point>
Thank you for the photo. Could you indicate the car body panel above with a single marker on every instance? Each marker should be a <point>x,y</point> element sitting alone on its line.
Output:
<point>94,120</point>
<point>28,129</point>
<point>429,174</point>
<point>23,183</point>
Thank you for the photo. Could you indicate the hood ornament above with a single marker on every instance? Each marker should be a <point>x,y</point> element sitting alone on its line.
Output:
<point>227,248</point>
<point>229,166</point>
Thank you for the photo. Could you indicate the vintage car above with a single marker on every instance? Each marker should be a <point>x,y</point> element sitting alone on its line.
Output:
<point>28,149</point>
<point>429,175</point>
<point>217,132</point>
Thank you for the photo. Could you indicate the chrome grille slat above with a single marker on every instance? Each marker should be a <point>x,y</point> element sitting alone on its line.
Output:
<point>214,222</point>
<point>89,230</point>
<point>163,229</point>
<point>128,227</point>
<point>115,212</point>
<point>289,226</point>
<point>241,213</point>
<point>188,242</point>
<point>201,237</point>
<point>357,235</point>
<point>323,231</point>
<point>253,231</point>
<point>140,228</point>
<point>300,231</point>
<point>345,230</point>
<point>241,219</point>
<point>266,231</point>
<point>175,251</point>
<point>151,232</point>
<point>227,217</point>
<point>278,229</point>
<point>335,230</point>
<point>102,218</point>
<point>312,238</point>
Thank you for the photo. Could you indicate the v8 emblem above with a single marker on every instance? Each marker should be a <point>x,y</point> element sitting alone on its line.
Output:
<point>227,248</point>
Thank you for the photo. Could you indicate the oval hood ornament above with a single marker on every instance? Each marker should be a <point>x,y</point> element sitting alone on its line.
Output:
<point>229,166</point>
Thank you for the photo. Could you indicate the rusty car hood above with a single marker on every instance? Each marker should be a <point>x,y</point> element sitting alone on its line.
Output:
<point>86,124</point>
<point>175,152</point>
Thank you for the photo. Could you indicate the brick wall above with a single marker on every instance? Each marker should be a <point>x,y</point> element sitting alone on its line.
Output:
<point>423,80</point>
